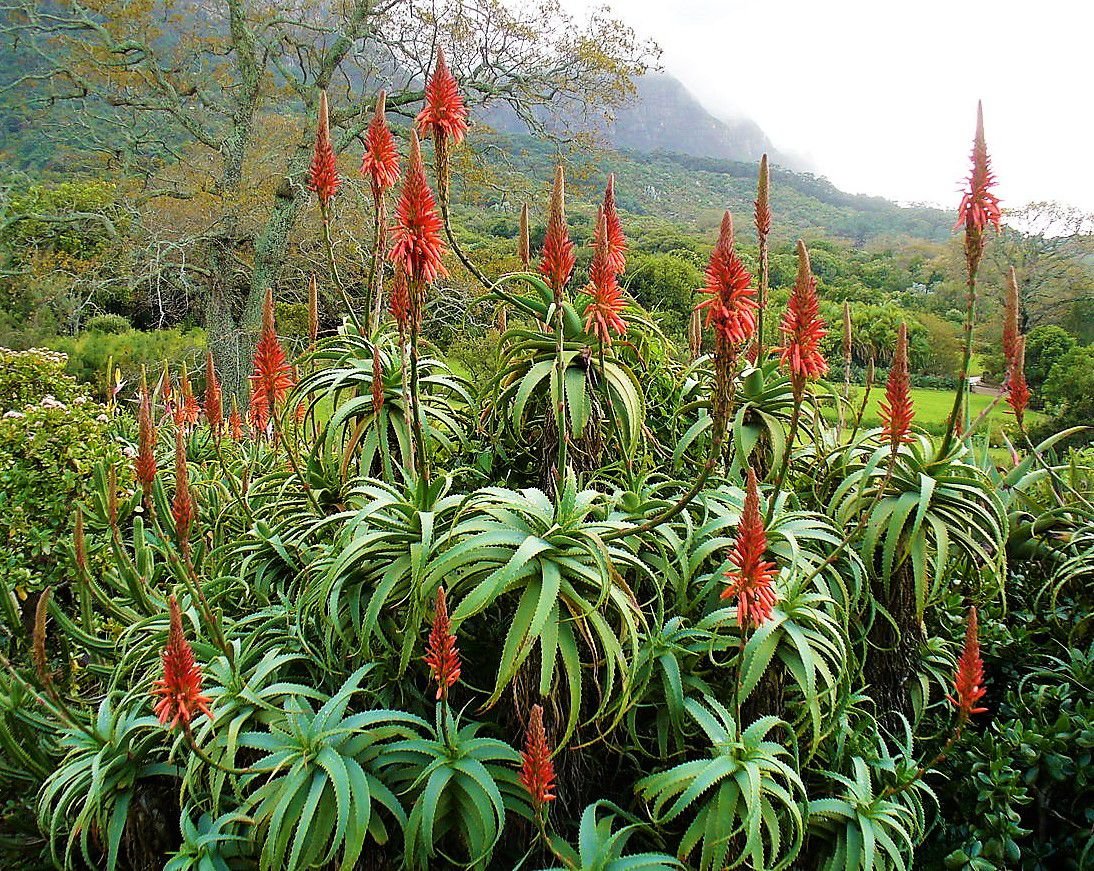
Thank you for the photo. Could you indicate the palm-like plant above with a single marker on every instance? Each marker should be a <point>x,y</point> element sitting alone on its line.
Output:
<point>602,847</point>
<point>95,784</point>
<point>561,586</point>
<point>461,784</point>
<point>339,396</point>
<point>312,793</point>
<point>744,802</point>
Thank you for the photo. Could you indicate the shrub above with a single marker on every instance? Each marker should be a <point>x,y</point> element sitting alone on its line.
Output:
<point>111,324</point>
<point>91,353</point>
<point>30,376</point>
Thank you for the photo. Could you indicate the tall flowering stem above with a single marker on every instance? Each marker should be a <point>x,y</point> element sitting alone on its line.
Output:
<point>179,694</point>
<point>1011,316</point>
<point>897,410</point>
<point>1017,390</point>
<point>324,182</point>
<point>762,218</point>
<point>557,265</point>
<point>730,306</point>
<point>380,165</point>
<point>183,510</point>
<point>442,655</point>
<point>978,210</point>
<point>802,329</point>
<point>146,467</point>
<point>273,375</point>
<point>416,250</point>
<point>751,580</point>
<point>214,402</point>
<point>537,771</point>
<point>848,336</point>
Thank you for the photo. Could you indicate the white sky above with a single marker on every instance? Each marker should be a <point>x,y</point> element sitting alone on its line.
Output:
<point>880,95</point>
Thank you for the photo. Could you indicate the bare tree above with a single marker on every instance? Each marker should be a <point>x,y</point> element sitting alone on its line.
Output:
<point>185,94</point>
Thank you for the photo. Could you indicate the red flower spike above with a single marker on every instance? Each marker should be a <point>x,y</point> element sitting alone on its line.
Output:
<point>377,380</point>
<point>979,206</point>
<point>417,246</point>
<point>602,315</point>
<point>273,376</point>
<point>616,240</point>
<point>751,578</point>
<point>323,178</point>
<point>183,510</point>
<point>1010,319</point>
<point>730,303</point>
<point>444,114</point>
<point>188,410</point>
<point>146,467</point>
<point>1015,383</point>
<point>179,690</point>
<point>557,261</point>
<point>802,327</point>
<point>235,423</point>
<point>214,403</point>
<point>537,772</point>
<point>442,656</point>
<point>968,680</point>
<point>897,410</point>
<point>380,164</point>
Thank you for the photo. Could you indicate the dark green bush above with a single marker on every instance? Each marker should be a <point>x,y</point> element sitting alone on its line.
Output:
<point>111,324</point>
<point>90,354</point>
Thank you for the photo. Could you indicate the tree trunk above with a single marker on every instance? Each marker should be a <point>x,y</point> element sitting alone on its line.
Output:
<point>893,655</point>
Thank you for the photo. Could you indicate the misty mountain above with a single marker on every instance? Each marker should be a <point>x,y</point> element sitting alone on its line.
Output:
<point>663,116</point>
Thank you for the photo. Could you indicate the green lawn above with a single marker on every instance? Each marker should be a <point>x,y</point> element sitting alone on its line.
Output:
<point>932,409</point>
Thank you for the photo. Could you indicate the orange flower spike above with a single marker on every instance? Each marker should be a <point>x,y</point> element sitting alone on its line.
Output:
<point>417,246</point>
<point>602,315</point>
<point>616,240</point>
<point>751,578</point>
<point>729,301</point>
<point>272,378</point>
<point>537,771</point>
<point>802,327</point>
<point>377,380</point>
<point>897,410</point>
<point>323,178</point>
<point>1017,389</point>
<point>557,260</point>
<point>214,402</point>
<point>444,114</point>
<point>380,164</point>
<point>979,206</point>
<point>442,656</point>
<point>969,677</point>
<point>179,690</point>
<point>1010,318</point>
<point>235,423</point>
<point>189,409</point>
<point>146,467</point>
<point>183,510</point>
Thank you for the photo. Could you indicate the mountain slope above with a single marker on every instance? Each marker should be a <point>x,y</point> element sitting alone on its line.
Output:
<point>662,116</point>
